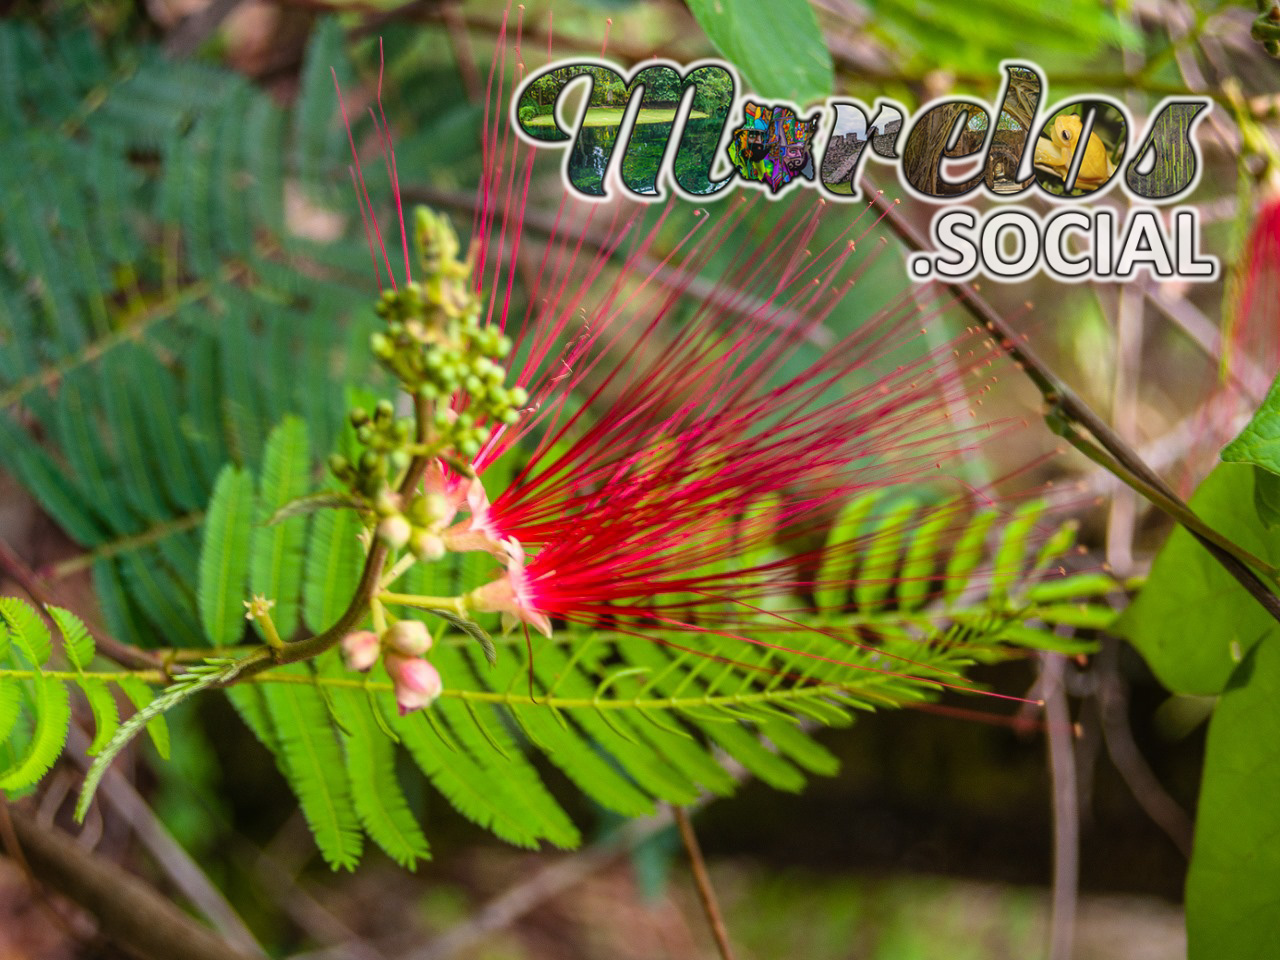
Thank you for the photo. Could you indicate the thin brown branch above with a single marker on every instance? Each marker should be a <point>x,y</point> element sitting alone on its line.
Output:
<point>1113,704</point>
<point>129,911</point>
<point>189,35</point>
<point>177,864</point>
<point>460,43</point>
<point>17,570</point>
<point>702,880</point>
<point>1064,402</point>
<point>1059,734</point>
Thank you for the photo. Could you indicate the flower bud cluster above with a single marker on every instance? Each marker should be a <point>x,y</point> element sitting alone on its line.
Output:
<point>385,440</point>
<point>437,344</point>
<point>403,648</point>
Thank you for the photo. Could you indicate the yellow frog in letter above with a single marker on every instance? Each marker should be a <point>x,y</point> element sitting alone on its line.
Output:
<point>1054,156</point>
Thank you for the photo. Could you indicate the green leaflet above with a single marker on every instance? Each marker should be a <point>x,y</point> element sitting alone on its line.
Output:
<point>967,554</point>
<point>1233,887</point>
<point>75,636</point>
<point>250,701</point>
<point>832,591</point>
<point>646,765</point>
<point>456,774</point>
<point>922,554</point>
<point>53,718</point>
<point>224,557</point>
<point>106,718</point>
<point>1011,554</point>
<point>737,740</point>
<point>564,745</point>
<point>334,559</point>
<point>140,696</point>
<point>314,769</point>
<point>275,569</point>
<point>880,559</point>
<point>480,729</point>
<point>26,630</point>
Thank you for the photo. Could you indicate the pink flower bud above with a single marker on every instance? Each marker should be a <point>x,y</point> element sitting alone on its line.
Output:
<point>408,638</point>
<point>360,649</point>
<point>417,683</point>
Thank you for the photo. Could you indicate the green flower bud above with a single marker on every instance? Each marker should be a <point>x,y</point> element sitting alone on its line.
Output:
<point>394,531</point>
<point>426,545</point>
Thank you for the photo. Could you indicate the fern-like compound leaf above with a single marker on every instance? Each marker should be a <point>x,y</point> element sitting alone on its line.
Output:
<point>315,769</point>
<point>275,567</point>
<point>334,558</point>
<point>224,557</point>
<point>379,800</point>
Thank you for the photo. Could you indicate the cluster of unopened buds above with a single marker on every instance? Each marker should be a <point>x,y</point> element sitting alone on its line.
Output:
<point>438,345</point>
<point>446,358</point>
<point>402,647</point>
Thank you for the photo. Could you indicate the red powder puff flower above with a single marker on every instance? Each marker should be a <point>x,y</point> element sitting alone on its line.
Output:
<point>671,451</point>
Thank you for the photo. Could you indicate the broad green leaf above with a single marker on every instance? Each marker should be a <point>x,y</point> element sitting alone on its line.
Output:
<point>1259,444</point>
<point>979,34</point>
<point>777,45</point>
<point>224,557</point>
<point>1192,621</point>
<point>1233,887</point>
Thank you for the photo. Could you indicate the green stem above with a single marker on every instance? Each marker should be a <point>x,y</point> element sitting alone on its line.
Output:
<point>594,703</point>
<point>456,604</point>
<point>1172,506</point>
